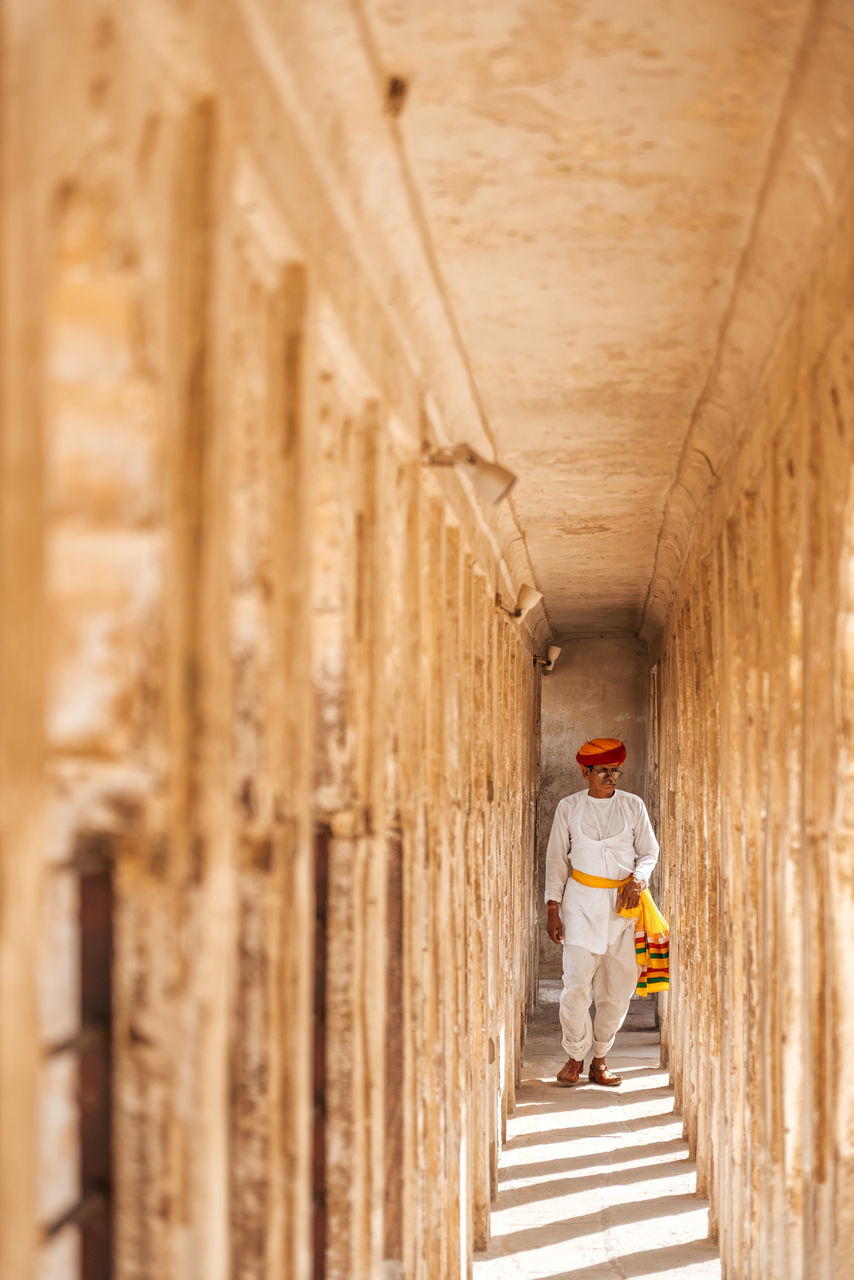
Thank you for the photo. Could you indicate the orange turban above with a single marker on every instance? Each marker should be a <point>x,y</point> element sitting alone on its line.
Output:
<point>602,751</point>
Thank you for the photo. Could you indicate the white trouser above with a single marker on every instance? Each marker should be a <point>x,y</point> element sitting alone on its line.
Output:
<point>612,979</point>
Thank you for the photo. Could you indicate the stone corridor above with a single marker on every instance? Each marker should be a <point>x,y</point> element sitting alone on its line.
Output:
<point>393,395</point>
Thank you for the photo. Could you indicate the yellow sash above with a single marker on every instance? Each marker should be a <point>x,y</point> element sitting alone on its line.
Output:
<point>652,935</point>
<point>597,882</point>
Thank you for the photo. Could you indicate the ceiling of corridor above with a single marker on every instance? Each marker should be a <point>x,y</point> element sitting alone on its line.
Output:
<point>590,171</point>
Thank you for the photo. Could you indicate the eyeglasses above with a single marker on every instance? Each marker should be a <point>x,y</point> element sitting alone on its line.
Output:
<point>604,773</point>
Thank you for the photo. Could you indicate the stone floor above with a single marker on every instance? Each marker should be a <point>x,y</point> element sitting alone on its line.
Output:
<point>593,1182</point>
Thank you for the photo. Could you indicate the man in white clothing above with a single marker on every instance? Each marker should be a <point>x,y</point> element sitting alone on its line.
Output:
<point>599,833</point>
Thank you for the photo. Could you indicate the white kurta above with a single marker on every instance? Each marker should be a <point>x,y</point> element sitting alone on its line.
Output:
<point>610,838</point>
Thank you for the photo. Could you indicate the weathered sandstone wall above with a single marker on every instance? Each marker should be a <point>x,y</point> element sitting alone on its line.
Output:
<point>756,794</point>
<point>267,749</point>
<point>753,685</point>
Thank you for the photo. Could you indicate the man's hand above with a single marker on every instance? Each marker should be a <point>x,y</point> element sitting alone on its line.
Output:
<point>554,924</point>
<point>630,894</point>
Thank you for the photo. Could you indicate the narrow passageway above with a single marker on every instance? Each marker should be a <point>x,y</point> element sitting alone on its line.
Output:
<point>394,398</point>
<point>596,1182</point>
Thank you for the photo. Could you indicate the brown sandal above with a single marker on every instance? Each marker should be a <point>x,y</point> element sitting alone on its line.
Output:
<point>569,1072</point>
<point>601,1075</point>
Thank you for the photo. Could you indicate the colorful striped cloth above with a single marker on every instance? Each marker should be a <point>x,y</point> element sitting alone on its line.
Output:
<point>652,936</point>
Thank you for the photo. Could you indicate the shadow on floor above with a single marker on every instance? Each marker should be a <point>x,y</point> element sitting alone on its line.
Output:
<point>673,1149</point>
<point>610,1129</point>
<point>585,1181</point>
<point>595,1182</point>
<point>681,1261</point>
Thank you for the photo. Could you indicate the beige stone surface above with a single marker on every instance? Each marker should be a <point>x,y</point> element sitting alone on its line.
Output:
<point>59,1179</point>
<point>59,978</point>
<point>592,175</point>
<point>596,1182</point>
<point>61,1258</point>
<point>269,631</point>
<point>753,689</point>
<point>269,755</point>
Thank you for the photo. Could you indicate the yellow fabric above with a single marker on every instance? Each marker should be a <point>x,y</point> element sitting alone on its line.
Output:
<point>654,922</point>
<point>597,882</point>
<point>652,934</point>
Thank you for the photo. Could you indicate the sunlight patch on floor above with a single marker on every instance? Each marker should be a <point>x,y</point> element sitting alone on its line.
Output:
<point>596,1183</point>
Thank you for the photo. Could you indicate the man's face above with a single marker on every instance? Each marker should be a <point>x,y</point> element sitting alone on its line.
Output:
<point>601,780</point>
